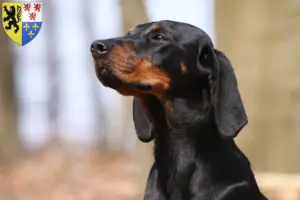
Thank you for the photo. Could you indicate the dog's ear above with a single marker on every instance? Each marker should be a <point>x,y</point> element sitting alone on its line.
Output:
<point>146,111</point>
<point>230,115</point>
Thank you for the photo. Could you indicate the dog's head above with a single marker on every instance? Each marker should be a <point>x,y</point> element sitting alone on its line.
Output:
<point>164,60</point>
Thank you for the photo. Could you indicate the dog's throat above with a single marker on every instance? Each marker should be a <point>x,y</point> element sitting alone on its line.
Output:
<point>175,168</point>
<point>185,115</point>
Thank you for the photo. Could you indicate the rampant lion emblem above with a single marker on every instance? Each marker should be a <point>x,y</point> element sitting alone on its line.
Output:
<point>13,17</point>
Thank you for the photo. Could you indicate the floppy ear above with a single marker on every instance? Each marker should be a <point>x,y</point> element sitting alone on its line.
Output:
<point>230,115</point>
<point>146,111</point>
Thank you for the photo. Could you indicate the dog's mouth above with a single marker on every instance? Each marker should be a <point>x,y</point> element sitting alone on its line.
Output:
<point>105,75</point>
<point>108,78</point>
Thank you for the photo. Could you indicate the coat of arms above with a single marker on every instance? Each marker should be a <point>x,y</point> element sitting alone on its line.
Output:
<point>22,21</point>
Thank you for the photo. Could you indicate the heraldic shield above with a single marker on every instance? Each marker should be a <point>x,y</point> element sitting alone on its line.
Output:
<point>22,21</point>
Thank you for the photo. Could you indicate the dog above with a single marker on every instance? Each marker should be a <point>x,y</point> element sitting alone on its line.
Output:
<point>186,98</point>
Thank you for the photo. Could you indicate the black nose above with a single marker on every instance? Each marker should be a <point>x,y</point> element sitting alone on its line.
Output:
<point>98,47</point>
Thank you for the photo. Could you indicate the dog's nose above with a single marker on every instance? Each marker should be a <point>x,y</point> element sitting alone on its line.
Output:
<point>98,48</point>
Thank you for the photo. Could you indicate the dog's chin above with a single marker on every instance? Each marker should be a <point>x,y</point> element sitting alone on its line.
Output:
<point>109,79</point>
<point>106,77</point>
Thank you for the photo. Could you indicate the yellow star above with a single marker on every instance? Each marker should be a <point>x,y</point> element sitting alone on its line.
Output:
<point>26,27</point>
<point>35,26</point>
<point>31,34</point>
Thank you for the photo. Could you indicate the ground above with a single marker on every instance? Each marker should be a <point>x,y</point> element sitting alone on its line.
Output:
<point>56,174</point>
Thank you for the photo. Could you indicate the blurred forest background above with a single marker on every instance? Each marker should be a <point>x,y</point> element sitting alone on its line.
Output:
<point>64,136</point>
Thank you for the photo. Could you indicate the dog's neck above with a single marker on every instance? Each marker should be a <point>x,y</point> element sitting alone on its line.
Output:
<point>186,133</point>
<point>188,127</point>
<point>187,118</point>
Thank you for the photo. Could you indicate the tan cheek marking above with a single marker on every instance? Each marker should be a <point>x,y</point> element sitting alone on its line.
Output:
<point>122,59</point>
<point>183,68</point>
<point>128,68</point>
<point>148,73</point>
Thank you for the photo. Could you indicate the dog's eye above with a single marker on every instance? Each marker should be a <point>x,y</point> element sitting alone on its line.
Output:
<point>158,37</point>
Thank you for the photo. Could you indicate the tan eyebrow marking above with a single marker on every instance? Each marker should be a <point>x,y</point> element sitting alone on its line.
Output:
<point>155,27</point>
<point>131,29</point>
<point>183,68</point>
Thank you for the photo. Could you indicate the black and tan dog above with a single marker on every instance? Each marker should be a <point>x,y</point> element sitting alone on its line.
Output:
<point>186,98</point>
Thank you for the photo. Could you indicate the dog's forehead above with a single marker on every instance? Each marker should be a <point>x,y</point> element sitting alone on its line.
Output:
<point>166,25</point>
<point>180,31</point>
<point>141,28</point>
<point>155,26</point>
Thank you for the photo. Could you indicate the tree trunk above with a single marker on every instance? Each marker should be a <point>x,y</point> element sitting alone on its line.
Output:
<point>264,50</point>
<point>52,63</point>
<point>10,147</point>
